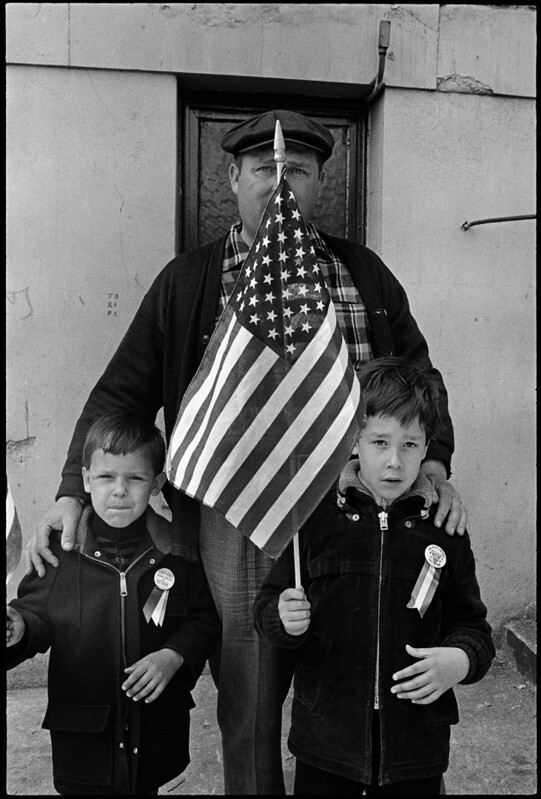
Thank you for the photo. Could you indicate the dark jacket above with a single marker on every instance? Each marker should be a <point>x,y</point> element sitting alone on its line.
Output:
<point>103,742</point>
<point>161,351</point>
<point>359,579</point>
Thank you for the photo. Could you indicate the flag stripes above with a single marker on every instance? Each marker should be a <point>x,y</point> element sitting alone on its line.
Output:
<point>273,427</point>
<point>232,424</point>
<point>300,436</point>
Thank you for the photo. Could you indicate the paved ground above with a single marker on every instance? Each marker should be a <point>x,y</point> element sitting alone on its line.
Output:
<point>493,747</point>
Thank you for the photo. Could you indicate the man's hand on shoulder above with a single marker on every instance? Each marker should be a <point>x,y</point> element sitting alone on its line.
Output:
<point>450,505</point>
<point>64,516</point>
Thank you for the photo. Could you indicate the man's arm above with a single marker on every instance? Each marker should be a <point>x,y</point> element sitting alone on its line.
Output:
<point>449,501</point>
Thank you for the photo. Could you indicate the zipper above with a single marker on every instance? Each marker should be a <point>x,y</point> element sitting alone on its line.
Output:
<point>123,595</point>
<point>383,526</point>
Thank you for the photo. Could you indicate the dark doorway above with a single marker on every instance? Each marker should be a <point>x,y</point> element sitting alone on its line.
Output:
<point>207,205</point>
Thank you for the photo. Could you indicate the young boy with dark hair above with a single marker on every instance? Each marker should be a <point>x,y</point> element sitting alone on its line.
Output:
<point>129,626</point>
<point>390,616</point>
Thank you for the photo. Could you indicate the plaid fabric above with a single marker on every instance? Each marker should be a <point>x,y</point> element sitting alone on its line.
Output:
<point>350,309</point>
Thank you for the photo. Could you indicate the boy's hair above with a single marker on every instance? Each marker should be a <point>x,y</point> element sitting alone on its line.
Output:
<point>403,389</point>
<point>121,433</point>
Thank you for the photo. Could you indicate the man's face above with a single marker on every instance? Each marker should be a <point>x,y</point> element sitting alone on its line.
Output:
<point>255,181</point>
<point>390,456</point>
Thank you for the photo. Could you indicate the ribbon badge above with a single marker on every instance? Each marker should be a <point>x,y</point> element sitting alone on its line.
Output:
<point>428,579</point>
<point>157,602</point>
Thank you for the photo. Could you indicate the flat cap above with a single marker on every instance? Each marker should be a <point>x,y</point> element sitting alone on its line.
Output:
<point>297,128</point>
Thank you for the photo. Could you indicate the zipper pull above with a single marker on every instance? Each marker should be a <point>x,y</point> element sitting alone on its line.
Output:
<point>123,586</point>
<point>383,525</point>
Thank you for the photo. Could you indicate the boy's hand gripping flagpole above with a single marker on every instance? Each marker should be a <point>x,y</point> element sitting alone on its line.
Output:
<point>280,158</point>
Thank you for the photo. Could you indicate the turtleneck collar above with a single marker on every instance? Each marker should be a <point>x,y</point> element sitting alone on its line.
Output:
<point>103,530</point>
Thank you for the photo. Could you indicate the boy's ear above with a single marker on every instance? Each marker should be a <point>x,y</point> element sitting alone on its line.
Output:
<point>86,481</point>
<point>158,484</point>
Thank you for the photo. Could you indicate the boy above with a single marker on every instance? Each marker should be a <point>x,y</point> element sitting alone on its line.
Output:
<point>129,625</point>
<point>390,617</point>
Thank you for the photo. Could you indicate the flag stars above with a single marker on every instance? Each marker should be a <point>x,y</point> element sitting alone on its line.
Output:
<point>269,297</point>
<point>267,279</point>
<point>281,237</point>
<point>272,334</point>
<point>301,271</point>
<point>306,327</point>
<point>271,315</point>
<point>290,349</point>
<point>303,289</point>
<point>253,300</point>
<point>304,309</point>
<point>266,242</point>
<point>254,319</point>
<point>279,218</point>
<point>298,234</point>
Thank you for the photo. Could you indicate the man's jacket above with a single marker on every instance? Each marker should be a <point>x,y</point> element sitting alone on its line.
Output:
<point>358,570</point>
<point>163,347</point>
<point>90,616</point>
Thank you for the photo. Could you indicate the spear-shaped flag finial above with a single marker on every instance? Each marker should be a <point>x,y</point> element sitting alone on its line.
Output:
<point>279,150</point>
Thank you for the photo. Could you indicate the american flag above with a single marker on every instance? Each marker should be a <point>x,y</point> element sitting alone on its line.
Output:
<point>13,537</point>
<point>272,414</point>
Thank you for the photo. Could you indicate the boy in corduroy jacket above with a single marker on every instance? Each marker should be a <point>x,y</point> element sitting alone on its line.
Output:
<point>129,626</point>
<point>389,617</point>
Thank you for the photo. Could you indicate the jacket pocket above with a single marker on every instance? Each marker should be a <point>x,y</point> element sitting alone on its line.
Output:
<point>81,743</point>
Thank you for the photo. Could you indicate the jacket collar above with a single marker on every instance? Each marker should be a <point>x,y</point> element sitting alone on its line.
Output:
<point>158,528</point>
<point>351,488</point>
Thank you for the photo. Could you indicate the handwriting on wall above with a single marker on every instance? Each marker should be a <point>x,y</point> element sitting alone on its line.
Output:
<point>112,304</point>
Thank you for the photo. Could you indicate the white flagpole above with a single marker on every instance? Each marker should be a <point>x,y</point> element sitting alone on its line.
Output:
<point>279,150</point>
<point>280,158</point>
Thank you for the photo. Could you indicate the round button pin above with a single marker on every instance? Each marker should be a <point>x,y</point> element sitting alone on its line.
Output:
<point>435,556</point>
<point>164,579</point>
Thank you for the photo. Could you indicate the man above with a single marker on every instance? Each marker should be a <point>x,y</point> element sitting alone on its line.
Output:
<point>153,367</point>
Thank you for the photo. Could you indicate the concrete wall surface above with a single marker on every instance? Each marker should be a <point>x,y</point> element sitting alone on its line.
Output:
<point>91,185</point>
<point>93,144</point>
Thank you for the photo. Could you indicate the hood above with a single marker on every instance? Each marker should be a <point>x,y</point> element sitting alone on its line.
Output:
<point>349,481</point>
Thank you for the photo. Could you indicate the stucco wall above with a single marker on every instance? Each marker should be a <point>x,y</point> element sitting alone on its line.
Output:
<point>91,219</point>
<point>92,153</point>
